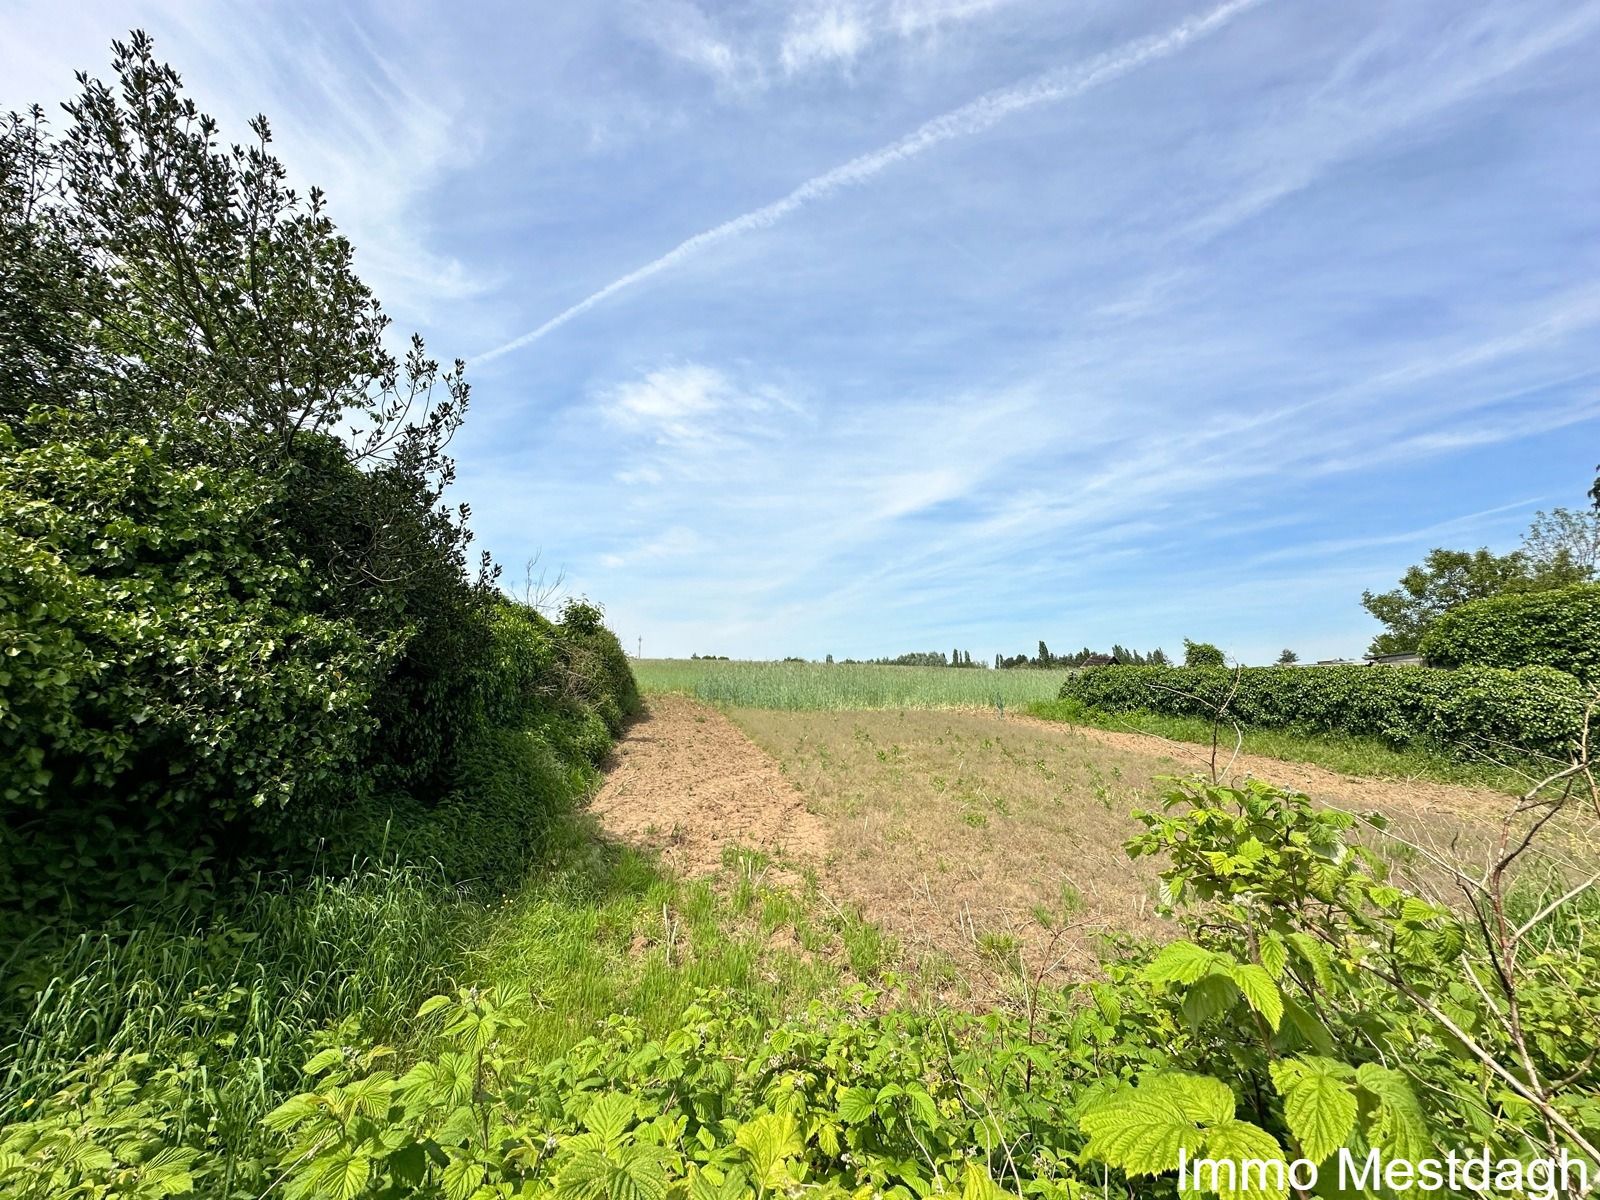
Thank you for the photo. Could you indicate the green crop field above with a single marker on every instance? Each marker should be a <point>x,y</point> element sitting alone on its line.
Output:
<point>789,685</point>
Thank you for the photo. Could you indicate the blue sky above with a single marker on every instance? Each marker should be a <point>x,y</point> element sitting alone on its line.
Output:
<point>865,326</point>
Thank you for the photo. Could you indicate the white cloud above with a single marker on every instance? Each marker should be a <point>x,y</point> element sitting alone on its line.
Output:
<point>833,34</point>
<point>970,119</point>
<point>819,35</point>
<point>690,407</point>
<point>684,32</point>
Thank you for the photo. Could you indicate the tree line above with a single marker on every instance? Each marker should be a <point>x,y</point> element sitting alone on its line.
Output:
<point>1560,548</point>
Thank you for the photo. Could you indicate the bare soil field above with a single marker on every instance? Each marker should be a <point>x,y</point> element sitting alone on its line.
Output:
<point>685,782</point>
<point>979,844</point>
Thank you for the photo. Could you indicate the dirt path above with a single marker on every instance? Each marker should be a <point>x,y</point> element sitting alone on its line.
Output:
<point>1407,797</point>
<point>686,783</point>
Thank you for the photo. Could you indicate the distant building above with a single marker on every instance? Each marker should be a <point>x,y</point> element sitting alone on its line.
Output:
<point>1409,659</point>
<point>1102,660</point>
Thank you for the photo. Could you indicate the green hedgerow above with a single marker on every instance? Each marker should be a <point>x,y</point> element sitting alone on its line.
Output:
<point>1559,628</point>
<point>1533,710</point>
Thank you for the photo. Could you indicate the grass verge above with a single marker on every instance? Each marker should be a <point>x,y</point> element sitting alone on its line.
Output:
<point>217,1013</point>
<point>1344,753</point>
<point>603,931</point>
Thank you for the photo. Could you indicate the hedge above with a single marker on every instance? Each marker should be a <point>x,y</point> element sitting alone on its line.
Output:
<point>1536,709</point>
<point>1559,628</point>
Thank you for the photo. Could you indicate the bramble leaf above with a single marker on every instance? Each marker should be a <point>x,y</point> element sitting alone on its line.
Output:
<point>1318,1104</point>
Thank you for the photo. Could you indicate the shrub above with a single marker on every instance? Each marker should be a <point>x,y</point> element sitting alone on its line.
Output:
<point>597,665</point>
<point>1536,709</point>
<point>1201,654</point>
<point>166,666</point>
<point>238,623</point>
<point>1558,628</point>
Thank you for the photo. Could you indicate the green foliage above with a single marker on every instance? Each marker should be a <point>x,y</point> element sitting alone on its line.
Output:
<point>1448,578</point>
<point>166,669</point>
<point>1559,628</point>
<point>1532,710</point>
<point>1142,1130</point>
<point>1386,997</point>
<point>1564,540</point>
<point>238,624</point>
<point>178,1034</point>
<point>726,1105</point>
<point>1314,1005</point>
<point>1201,654</point>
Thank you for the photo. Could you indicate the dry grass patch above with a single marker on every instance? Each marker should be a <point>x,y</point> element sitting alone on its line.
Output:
<point>954,847</point>
<point>973,841</point>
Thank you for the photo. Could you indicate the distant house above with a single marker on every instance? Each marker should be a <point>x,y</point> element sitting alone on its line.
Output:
<point>1102,660</point>
<point>1409,659</point>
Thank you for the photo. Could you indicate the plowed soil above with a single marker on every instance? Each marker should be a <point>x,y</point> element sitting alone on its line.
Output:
<point>685,782</point>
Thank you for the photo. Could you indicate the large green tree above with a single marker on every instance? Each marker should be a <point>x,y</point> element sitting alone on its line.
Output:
<point>1447,578</point>
<point>1564,541</point>
<point>229,584</point>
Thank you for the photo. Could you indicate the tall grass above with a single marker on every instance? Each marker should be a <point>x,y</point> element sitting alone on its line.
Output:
<point>232,1001</point>
<point>605,931</point>
<point>844,685</point>
<point>230,1004</point>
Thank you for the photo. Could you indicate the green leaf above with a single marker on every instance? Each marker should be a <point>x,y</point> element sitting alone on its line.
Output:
<point>1307,1028</point>
<point>292,1111</point>
<point>433,1004</point>
<point>1315,955</point>
<point>770,1140</point>
<point>1210,998</point>
<point>1400,1130</point>
<point>1181,962</point>
<point>322,1061</point>
<point>1142,1131</point>
<point>609,1117</point>
<point>344,1175</point>
<point>703,1187</point>
<point>1274,955</point>
<point>856,1105</point>
<point>1260,993</point>
<point>1318,1103</point>
<point>631,1173</point>
<point>1255,1151</point>
<point>923,1106</point>
<point>462,1178</point>
<point>977,1185</point>
<point>1141,1137</point>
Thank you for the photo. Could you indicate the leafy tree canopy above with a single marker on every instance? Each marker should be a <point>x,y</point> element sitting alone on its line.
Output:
<point>1564,540</point>
<point>1448,578</point>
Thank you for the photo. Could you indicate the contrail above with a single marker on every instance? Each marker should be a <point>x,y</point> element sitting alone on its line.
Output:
<point>974,117</point>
